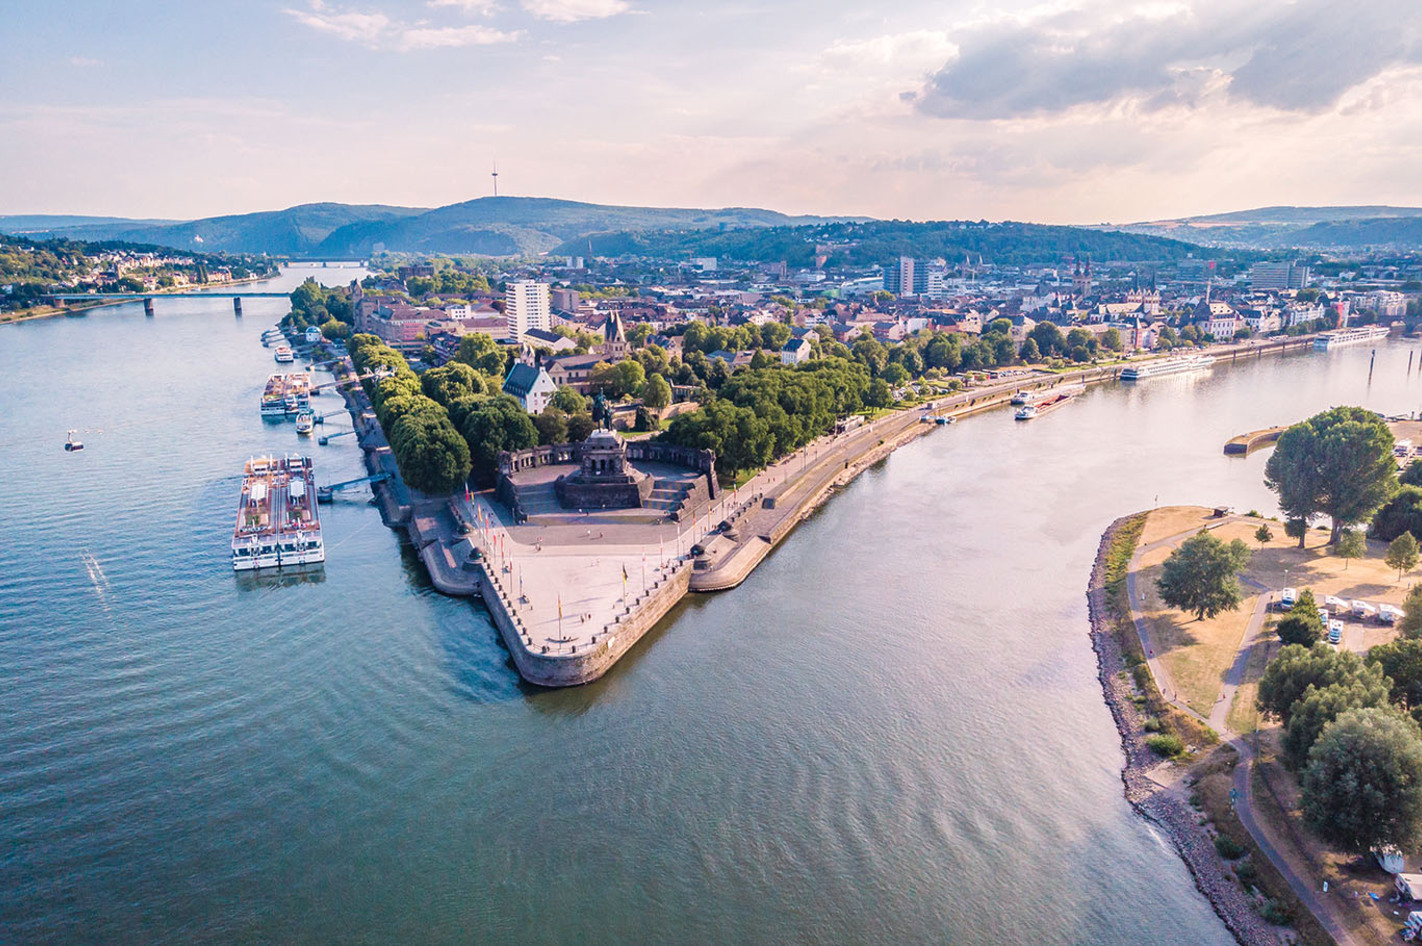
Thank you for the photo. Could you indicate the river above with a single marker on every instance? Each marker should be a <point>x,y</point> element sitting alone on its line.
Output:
<point>891,733</point>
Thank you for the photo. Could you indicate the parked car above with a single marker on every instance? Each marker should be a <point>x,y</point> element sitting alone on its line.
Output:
<point>1389,614</point>
<point>1362,610</point>
<point>1335,632</point>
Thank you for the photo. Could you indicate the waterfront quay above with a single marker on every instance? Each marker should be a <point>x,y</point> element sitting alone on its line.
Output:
<point>572,591</point>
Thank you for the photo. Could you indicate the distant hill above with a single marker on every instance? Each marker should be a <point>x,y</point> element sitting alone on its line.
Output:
<point>495,226</point>
<point>1270,228</point>
<point>881,241</point>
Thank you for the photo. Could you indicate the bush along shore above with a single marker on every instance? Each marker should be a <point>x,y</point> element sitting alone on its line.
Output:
<point>1239,881</point>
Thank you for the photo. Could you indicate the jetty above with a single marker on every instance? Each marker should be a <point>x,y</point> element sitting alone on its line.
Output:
<point>1245,444</point>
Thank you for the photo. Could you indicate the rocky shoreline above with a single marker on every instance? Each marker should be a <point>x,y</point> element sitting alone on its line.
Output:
<point>1165,808</point>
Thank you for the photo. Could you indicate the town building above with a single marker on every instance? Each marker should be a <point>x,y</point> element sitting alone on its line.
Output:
<point>796,351</point>
<point>532,387</point>
<point>526,307</point>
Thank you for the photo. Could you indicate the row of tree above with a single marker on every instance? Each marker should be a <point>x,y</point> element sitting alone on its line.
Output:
<point>760,414</point>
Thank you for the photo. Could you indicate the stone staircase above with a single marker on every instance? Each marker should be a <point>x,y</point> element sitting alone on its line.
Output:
<point>538,500</point>
<point>668,495</point>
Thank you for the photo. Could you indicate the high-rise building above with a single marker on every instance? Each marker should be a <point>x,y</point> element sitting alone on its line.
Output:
<point>930,279</point>
<point>898,277</point>
<point>1278,276</point>
<point>526,307</point>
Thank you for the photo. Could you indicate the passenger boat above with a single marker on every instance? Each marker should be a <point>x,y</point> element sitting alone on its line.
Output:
<point>1349,336</point>
<point>284,354</point>
<point>286,395</point>
<point>1155,369</point>
<point>1031,411</point>
<point>305,422</point>
<point>277,521</point>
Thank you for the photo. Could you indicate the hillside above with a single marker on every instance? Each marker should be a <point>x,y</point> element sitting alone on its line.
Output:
<point>495,226</point>
<point>879,241</point>
<point>1268,228</point>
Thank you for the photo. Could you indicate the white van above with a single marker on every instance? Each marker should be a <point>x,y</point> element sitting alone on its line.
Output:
<point>1389,614</point>
<point>1363,611</point>
<point>1335,604</point>
<point>1288,598</point>
<point>1335,632</point>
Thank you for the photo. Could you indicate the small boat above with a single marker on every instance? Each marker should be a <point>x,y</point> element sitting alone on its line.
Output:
<point>284,354</point>
<point>305,421</point>
<point>945,420</point>
<point>70,444</point>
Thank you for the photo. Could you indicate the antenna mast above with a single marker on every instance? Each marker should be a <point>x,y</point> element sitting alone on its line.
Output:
<point>496,178</point>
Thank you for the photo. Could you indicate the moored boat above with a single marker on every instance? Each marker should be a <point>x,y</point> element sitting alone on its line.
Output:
<point>1177,365</point>
<point>1349,336</point>
<point>1031,411</point>
<point>305,422</point>
<point>277,521</point>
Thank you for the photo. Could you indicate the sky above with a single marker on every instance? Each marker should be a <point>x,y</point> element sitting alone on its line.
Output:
<point>1077,111</point>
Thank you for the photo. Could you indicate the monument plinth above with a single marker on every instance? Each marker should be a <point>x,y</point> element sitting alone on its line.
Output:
<point>605,480</point>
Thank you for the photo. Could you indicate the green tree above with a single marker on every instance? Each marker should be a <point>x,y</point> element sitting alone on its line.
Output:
<point>497,424</point>
<point>552,426</point>
<point>879,394</point>
<point>1351,544</point>
<point>1111,338</point>
<point>1401,662</point>
<point>1318,707</point>
<point>895,375</point>
<point>450,382</point>
<point>1402,513</point>
<point>1029,353</point>
<point>1402,554</point>
<point>1289,675</point>
<point>580,426</point>
<point>1338,463</point>
<point>1412,476</point>
<point>335,330</point>
<point>568,400</point>
<point>1297,529</point>
<point>480,352</point>
<point>1201,575</point>
<point>1263,535</point>
<point>1301,625</point>
<point>1411,623</point>
<point>619,380</point>
<point>1362,789</point>
<point>656,393</point>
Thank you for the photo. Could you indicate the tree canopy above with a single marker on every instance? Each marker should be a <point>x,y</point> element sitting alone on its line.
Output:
<point>1201,575</point>
<point>1362,789</point>
<point>1289,675</point>
<point>1337,463</point>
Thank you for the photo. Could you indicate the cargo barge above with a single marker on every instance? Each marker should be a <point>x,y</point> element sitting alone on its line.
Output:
<point>277,522</point>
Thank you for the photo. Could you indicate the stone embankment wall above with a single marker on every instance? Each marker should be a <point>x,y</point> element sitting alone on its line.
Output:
<point>1167,809</point>
<point>571,669</point>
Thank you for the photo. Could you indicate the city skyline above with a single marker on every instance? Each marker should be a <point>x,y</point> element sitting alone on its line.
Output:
<point>1060,113</point>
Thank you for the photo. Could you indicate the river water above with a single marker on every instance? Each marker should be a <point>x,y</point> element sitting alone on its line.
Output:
<point>891,733</point>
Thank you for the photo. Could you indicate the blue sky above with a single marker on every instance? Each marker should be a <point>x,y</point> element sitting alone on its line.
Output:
<point>1066,111</point>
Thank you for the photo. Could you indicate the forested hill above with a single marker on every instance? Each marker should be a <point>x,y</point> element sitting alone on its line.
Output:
<point>862,243</point>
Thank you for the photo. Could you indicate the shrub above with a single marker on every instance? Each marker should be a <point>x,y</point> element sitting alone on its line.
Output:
<point>1277,913</point>
<point>1246,873</point>
<point>1152,724</point>
<point>1228,848</point>
<point>1166,745</point>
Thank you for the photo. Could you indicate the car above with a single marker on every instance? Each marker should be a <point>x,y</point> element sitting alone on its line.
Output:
<point>1335,632</point>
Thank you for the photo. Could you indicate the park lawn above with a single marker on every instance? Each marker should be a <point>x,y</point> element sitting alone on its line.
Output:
<point>1172,520</point>
<point>1196,652</point>
<point>1199,653</point>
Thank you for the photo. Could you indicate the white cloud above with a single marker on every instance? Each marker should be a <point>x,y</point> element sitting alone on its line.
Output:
<point>913,51</point>
<point>451,36</point>
<point>571,11</point>
<point>472,7</point>
<point>379,31</point>
<point>358,27</point>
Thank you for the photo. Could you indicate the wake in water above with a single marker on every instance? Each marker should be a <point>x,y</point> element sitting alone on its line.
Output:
<point>96,577</point>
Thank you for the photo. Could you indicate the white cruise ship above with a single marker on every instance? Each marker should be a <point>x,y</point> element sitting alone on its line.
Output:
<point>1349,336</point>
<point>1155,369</point>
<point>277,521</point>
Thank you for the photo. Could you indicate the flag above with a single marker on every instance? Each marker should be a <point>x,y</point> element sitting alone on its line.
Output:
<point>560,605</point>
<point>624,573</point>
